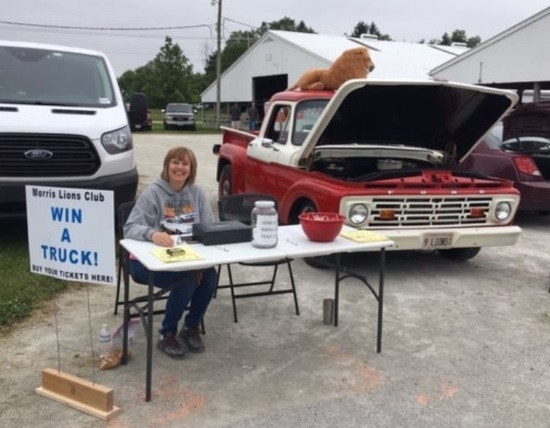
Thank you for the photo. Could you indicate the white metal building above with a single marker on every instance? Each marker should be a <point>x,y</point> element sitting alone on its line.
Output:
<point>517,58</point>
<point>279,58</point>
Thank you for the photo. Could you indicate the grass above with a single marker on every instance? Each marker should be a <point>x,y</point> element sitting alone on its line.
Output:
<point>158,128</point>
<point>20,290</point>
<point>205,123</point>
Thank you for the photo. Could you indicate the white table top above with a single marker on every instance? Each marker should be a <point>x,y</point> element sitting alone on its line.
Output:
<point>292,243</point>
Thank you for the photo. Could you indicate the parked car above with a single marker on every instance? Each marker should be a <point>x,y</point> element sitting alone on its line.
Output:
<point>139,116</point>
<point>525,160</point>
<point>179,116</point>
<point>147,124</point>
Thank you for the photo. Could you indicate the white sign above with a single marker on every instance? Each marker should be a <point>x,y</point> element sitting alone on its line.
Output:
<point>72,233</point>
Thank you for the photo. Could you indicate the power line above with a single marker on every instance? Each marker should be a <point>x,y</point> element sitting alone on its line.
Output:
<point>91,28</point>
<point>241,23</point>
<point>74,27</point>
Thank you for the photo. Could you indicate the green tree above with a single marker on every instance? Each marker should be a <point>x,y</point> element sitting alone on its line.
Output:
<point>457,36</point>
<point>472,42</point>
<point>285,24</point>
<point>138,80</point>
<point>169,77</point>
<point>172,76</point>
<point>240,41</point>
<point>363,28</point>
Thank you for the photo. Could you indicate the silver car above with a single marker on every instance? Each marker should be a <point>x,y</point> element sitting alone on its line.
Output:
<point>179,116</point>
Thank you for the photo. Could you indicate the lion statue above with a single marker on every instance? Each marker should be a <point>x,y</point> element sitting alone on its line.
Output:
<point>351,64</point>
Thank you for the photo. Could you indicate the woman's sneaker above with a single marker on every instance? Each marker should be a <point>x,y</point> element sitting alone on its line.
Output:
<point>171,346</point>
<point>191,336</point>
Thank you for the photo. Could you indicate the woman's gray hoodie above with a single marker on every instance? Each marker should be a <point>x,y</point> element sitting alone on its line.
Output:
<point>159,201</point>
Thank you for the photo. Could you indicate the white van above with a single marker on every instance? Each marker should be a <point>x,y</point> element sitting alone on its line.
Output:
<point>63,122</point>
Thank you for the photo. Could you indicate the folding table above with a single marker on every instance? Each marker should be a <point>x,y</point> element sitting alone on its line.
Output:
<point>292,243</point>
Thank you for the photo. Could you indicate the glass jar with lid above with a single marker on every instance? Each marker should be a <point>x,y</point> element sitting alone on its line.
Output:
<point>265,221</point>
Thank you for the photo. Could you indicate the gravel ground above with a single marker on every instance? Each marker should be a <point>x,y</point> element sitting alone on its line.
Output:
<point>465,344</point>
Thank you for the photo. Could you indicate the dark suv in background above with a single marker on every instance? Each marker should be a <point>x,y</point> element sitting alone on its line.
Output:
<point>179,116</point>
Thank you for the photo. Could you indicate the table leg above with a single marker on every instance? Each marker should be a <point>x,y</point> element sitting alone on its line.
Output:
<point>149,332</point>
<point>126,315</point>
<point>377,295</point>
<point>336,288</point>
<point>380,299</point>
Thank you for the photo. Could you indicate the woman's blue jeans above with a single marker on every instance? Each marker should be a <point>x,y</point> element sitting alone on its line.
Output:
<point>187,290</point>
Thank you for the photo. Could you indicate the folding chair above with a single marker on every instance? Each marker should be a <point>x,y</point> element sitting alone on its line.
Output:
<point>239,208</point>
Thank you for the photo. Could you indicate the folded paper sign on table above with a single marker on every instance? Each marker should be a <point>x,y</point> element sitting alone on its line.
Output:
<point>358,235</point>
<point>180,253</point>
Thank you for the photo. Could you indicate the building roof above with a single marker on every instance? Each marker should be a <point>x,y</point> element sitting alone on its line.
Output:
<point>392,59</point>
<point>292,53</point>
<point>514,58</point>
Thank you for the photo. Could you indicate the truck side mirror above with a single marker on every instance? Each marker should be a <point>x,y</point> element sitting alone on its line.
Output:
<point>267,143</point>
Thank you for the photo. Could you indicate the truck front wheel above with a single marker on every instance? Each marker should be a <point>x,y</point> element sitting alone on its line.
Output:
<point>226,176</point>
<point>304,207</point>
<point>460,254</point>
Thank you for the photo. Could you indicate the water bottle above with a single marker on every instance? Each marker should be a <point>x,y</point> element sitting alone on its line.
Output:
<point>104,340</point>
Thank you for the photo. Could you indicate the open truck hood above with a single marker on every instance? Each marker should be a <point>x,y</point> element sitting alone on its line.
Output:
<point>446,117</point>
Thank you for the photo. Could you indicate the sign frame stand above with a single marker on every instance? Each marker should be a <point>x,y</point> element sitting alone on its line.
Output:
<point>88,397</point>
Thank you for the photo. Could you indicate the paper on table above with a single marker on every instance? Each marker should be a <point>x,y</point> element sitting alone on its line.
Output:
<point>358,235</point>
<point>182,253</point>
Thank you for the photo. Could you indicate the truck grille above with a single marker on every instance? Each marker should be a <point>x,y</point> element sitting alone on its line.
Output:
<point>47,155</point>
<point>425,212</point>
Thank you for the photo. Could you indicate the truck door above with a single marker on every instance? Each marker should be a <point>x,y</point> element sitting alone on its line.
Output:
<point>263,154</point>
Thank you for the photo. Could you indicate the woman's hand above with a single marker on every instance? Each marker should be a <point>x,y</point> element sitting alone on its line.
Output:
<point>163,239</point>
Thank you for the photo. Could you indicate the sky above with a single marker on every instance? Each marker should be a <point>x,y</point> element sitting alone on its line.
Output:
<point>106,22</point>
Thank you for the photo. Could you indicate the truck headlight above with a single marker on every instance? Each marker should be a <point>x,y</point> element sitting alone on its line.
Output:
<point>117,141</point>
<point>358,214</point>
<point>503,211</point>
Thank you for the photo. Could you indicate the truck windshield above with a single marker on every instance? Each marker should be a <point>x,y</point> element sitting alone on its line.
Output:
<point>179,108</point>
<point>307,113</point>
<point>39,76</point>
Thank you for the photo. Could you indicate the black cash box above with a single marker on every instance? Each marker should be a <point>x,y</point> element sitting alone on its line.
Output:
<point>223,232</point>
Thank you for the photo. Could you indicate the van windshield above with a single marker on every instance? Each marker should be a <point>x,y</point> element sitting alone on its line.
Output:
<point>39,76</point>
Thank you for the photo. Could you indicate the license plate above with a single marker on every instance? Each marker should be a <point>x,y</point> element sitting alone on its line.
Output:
<point>437,241</point>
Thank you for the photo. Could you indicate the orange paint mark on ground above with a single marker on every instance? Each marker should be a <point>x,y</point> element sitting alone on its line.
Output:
<point>192,403</point>
<point>336,352</point>
<point>116,423</point>
<point>170,386</point>
<point>372,376</point>
<point>423,399</point>
<point>448,391</point>
<point>368,379</point>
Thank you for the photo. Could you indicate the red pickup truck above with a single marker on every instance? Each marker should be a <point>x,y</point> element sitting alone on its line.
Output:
<point>386,154</point>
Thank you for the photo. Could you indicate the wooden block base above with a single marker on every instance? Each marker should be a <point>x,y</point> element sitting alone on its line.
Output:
<point>88,397</point>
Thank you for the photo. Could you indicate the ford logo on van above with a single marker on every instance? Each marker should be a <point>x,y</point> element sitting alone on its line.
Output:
<point>38,154</point>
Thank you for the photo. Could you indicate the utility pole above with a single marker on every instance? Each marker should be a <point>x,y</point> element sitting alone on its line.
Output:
<point>218,62</point>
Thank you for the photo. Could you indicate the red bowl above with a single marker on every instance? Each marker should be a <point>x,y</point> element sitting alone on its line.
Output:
<point>321,227</point>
